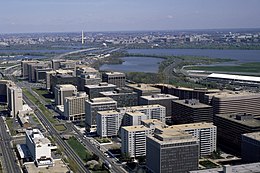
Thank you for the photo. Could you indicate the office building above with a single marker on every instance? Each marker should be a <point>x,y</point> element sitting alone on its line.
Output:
<point>124,96</point>
<point>108,123</point>
<point>144,90</point>
<point>63,64</point>
<point>235,102</point>
<point>94,90</point>
<point>62,91</point>
<point>74,107</point>
<point>161,99</point>
<point>54,73</point>
<point>86,70</point>
<point>25,67</point>
<point>4,84</point>
<point>191,111</point>
<point>232,126</point>
<point>133,140</point>
<point>40,74</point>
<point>186,93</point>
<point>153,124</point>
<point>206,133</point>
<point>176,152</point>
<point>151,111</point>
<point>134,118</point>
<point>39,147</point>
<point>244,168</point>
<point>32,69</point>
<point>60,79</point>
<point>93,106</point>
<point>88,79</point>
<point>116,78</point>
<point>250,147</point>
<point>14,100</point>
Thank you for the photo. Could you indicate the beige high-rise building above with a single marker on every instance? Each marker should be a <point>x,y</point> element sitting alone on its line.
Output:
<point>74,107</point>
<point>62,91</point>
<point>14,100</point>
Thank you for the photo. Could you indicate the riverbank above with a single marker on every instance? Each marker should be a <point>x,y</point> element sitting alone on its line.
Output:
<point>242,68</point>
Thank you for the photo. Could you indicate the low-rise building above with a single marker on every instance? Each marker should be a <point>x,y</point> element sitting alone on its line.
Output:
<point>39,147</point>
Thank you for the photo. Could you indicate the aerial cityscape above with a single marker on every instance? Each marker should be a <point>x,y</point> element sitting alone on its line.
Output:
<point>113,86</point>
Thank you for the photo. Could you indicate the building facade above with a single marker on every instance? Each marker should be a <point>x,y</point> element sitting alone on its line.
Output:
<point>108,123</point>
<point>191,111</point>
<point>74,107</point>
<point>94,105</point>
<point>176,152</point>
<point>134,140</point>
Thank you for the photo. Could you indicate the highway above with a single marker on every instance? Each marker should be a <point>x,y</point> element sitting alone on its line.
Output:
<point>9,164</point>
<point>115,168</point>
<point>73,52</point>
<point>52,131</point>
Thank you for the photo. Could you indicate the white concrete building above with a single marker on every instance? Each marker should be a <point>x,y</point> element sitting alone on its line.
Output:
<point>134,140</point>
<point>93,106</point>
<point>134,118</point>
<point>151,111</point>
<point>74,107</point>
<point>14,100</point>
<point>39,147</point>
<point>206,133</point>
<point>108,123</point>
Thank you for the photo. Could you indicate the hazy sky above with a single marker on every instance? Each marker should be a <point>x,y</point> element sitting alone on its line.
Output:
<point>126,15</point>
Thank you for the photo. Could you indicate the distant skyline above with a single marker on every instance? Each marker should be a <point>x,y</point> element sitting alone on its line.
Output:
<point>25,16</point>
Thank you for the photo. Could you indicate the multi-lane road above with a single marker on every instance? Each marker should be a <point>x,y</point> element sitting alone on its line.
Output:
<point>9,164</point>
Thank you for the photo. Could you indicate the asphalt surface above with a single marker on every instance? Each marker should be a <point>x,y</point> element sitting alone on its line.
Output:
<point>9,164</point>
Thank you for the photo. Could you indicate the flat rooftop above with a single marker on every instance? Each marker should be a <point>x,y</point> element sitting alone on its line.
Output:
<point>245,168</point>
<point>110,112</point>
<point>188,89</point>
<point>101,100</point>
<point>144,87</point>
<point>114,73</point>
<point>135,113</point>
<point>160,97</point>
<point>144,107</point>
<point>253,123</point>
<point>173,137</point>
<point>254,135</point>
<point>234,94</point>
<point>135,128</point>
<point>192,103</point>
<point>66,86</point>
<point>234,77</point>
<point>101,85</point>
<point>202,125</point>
<point>59,167</point>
